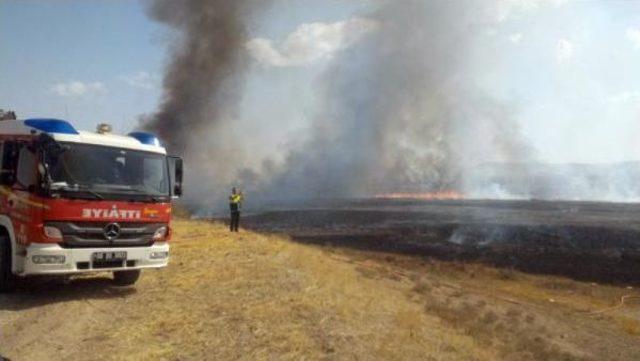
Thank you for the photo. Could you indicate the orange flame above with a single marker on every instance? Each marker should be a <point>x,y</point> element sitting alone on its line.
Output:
<point>438,195</point>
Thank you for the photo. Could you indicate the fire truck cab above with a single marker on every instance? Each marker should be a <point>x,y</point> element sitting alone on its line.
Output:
<point>75,201</point>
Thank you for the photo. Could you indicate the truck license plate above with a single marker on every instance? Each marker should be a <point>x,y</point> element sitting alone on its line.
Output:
<point>109,256</point>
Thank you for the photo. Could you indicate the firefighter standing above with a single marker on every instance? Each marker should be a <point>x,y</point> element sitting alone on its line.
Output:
<point>235,204</point>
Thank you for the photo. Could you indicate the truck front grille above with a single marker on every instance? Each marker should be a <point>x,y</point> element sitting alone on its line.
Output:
<point>92,234</point>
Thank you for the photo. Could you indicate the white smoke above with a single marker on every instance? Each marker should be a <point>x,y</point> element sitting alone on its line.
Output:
<point>310,42</point>
<point>403,105</point>
<point>401,111</point>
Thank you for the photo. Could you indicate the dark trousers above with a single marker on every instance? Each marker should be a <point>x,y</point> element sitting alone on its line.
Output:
<point>235,221</point>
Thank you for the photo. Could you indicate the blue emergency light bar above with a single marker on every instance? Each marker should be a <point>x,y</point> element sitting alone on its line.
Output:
<point>49,125</point>
<point>146,138</point>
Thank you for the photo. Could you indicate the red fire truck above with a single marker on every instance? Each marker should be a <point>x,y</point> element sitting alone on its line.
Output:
<point>75,201</point>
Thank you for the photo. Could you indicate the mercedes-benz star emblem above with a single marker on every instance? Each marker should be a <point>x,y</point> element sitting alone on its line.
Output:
<point>111,231</point>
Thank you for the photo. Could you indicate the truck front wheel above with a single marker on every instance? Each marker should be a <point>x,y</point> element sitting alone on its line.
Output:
<point>126,278</point>
<point>7,280</point>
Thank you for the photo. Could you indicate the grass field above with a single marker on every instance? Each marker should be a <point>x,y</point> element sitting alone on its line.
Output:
<point>259,296</point>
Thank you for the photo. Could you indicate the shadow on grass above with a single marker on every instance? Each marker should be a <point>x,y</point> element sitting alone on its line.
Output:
<point>35,292</point>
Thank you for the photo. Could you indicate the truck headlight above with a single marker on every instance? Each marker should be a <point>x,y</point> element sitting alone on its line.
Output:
<point>160,233</point>
<point>50,259</point>
<point>52,232</point>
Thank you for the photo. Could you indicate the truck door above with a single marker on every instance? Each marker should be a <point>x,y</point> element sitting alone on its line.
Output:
<point>19,180</point>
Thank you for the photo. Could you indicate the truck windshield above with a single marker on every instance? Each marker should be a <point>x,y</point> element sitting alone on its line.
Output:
<point>101,169</point>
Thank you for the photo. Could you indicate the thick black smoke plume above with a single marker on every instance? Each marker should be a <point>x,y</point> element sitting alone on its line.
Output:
<point>200,78</point>
<point>202,86</point>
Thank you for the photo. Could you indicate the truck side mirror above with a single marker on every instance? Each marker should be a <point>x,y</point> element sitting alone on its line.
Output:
<point>175,172</point>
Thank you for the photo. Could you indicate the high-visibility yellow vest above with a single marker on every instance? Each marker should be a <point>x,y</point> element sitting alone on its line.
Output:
<point>235,198</point>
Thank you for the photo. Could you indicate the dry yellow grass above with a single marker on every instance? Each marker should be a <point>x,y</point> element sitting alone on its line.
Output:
<point>251,296</point>
<point>518,316</point>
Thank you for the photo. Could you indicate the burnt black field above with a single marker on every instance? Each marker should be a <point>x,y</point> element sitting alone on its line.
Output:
<point>591,241</point>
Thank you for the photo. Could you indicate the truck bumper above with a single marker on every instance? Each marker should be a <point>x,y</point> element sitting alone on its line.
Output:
<point>80,260</point>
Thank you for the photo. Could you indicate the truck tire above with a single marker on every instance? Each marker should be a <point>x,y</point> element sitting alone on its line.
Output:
<point>126,278</point>
<point>7,279</point>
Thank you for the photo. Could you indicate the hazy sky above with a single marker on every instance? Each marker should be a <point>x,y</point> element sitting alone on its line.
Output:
<point>569,69</point>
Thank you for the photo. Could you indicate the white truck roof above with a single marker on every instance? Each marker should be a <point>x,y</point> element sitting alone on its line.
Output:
<point>63,131</point>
